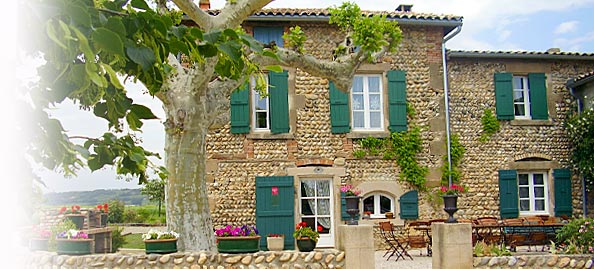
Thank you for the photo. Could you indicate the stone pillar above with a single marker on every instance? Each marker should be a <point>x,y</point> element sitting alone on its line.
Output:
<point>357,243</point>
<point>452,245</point>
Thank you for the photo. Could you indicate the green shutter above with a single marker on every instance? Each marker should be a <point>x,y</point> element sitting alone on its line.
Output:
<point>275,198</point>
<point>278,95</point>
<point>343,211</point>
<point>397,100</point>
<point>409,205</point>
<point>508,194</point>
<point>339,111</point>
<point>538,96</point>
<point>563,200</point>
<point>240,110</point>
<point>504,100</point>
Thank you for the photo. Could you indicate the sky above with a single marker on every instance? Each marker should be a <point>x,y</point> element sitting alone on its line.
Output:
<point>502,25</point>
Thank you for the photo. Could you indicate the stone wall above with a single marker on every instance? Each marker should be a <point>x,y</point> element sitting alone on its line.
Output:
<point>192,260</point>
<point>534,261</point>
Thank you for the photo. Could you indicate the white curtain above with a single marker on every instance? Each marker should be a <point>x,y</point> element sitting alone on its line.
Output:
<point>323,208</point>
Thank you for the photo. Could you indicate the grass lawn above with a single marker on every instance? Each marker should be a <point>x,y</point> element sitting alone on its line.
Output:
<point>134,241</point>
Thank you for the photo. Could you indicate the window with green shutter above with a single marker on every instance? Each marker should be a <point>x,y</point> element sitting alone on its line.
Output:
<point>521,97</point>
<point>538,96</point>
<point>563,199</point>
<point>508,194</point>
<point>240,110</point>
<point>409,205</point>
<point>397,100</point>
<point>279,102</point>
<point>339,110</point>
<point>504,101</point>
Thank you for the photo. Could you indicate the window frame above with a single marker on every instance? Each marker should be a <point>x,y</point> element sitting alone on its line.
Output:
<point>253,96</point>
<point>366,107</point>
<point>531,198</point>
<point>377,206</point>
<point>526,92</point>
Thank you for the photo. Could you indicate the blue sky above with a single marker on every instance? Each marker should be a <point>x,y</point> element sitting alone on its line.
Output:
<point>488,25</point>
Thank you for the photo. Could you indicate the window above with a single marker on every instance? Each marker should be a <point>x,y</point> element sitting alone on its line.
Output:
<point>521,97</point>
<point>378,205</point>
<point>316,207</point>
<point>363,108</point>
<point>532,193</point>
<point>260,108</point>
<point>367,103</point>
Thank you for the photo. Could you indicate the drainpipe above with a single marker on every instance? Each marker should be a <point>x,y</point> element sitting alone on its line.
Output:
<point>446,98</point>
<point>569,84</point>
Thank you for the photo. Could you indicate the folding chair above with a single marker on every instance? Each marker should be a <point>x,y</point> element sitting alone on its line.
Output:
<point>395,245</point>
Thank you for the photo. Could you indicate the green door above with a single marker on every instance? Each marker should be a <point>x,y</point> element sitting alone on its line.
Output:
<point>275,198</point>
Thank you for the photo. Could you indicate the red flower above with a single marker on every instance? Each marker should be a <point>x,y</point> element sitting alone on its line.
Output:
<point>100,207</point>
<point>62,210</point>
<point>105,207</point>
<point>320,228</point>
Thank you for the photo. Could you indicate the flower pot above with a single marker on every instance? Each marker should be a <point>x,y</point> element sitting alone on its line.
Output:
<point>103,220</point>
<point>275,243</point>
<point>78,219</point>
<point>73,246</point>
<point>38,244</point>
<point>389,215</point>
<point>160,246</point>
<point>305,244</point>
<point>450,206</point>
<point>352,208</point>
<point>238,244</point>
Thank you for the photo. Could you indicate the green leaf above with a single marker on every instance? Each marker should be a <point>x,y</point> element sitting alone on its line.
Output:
<point>140,4</point>
<point>100,110</point>
<point>270,54</point>
<point>274,68</point>
<point>53,35</point>
<point>197,33</point>
<point>231,49</point>
<point>83,151</point>
<point>142,112</point>
<point>108,40</point>
<point>78,14</point>
<point>112,76</point>
<point>133,121</point>
<point>143,56</point>
<point>116,25</point>
<point>212,36</point>
<point>208,50</point>
<point>231,33</point>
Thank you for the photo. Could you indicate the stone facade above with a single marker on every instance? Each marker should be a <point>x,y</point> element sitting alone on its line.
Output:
<point>534,261</point>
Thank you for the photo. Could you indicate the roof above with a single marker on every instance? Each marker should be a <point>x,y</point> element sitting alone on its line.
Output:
<point>449,22</point>
<point>580,80</point>
<point>547,55</point>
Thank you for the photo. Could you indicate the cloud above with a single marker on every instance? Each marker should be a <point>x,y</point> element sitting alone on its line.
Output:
<point>566,27</point>
<point>574,44</point>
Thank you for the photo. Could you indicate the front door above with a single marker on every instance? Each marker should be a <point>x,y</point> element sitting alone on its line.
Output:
<point>275,198</point>
<point>316,208</point>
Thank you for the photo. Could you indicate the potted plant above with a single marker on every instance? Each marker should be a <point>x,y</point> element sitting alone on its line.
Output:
<point>450,199</point>
<point>160,242</point>
<point>73,213</point>
<point>103,210</point>
<point>240,239</point>
<point>306,237</point>
<point>73,242</point>
<point>351,197</point>
<point>40,239</point>
<point>275,242</point>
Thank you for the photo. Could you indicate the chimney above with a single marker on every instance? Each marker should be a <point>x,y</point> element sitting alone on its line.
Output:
<point>205,4</point>
<point>404,8</point>
<point>553,50</point>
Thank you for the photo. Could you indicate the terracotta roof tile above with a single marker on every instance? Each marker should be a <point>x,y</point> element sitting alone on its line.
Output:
<point>521,54</point>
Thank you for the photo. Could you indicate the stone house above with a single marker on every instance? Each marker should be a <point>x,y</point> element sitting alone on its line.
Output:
<point>282,158</point>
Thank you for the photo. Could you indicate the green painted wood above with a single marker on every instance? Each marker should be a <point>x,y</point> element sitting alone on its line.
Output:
<point>275,215</point>
<point>239,244</point>
<point>160,246</point>
<point>504,100</point>
<point>409,205</point>
<point>508,194</point>
<point>278,95</point>
<point>397,100</point>
<point>240,110</point>
<point>339,110</point>
<point>563,197</point>
<point>538,96</point>
<point>73,246</point>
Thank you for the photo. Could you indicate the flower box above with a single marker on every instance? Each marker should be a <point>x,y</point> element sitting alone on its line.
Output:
<point>160,246</point>
<point>275,243</point>
<point>73,246</point>
<point>238,244</point>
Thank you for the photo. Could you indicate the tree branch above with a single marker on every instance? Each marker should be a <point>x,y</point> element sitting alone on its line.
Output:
<point>233,14</point>
<point>201,18</point>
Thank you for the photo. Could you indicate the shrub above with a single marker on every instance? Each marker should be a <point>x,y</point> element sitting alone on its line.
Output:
<point>117,239</point>
<point>116,211</point>
<point>577,237</point>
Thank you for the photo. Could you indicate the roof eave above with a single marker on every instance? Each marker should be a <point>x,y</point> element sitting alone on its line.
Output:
<point>498,55</point>
<point>574,84</point>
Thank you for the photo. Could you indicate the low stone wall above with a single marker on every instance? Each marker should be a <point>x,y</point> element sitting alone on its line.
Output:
<point>193,260</point>
<point>535,261</point>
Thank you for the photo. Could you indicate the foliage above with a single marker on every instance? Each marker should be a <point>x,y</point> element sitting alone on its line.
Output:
<point>117,239</point>
<point>359,153</point>
<point>577,237</point>
<point>155,190</point>
<point>153,234</point>
<point>580,129</point>
<point>451,190</point>
<point>244,230</point>
<point>302,230</point>
<point>143,214</point>
<point>75,209</point>
<point>348,190</point>
<point>72,234</point>
<point>133,241</point>
<point>295,38</point>
<point>456,153</point>
<point>405,146</point>
<point>490,125</point>
<point>116,212</point>
<point>482,249</point>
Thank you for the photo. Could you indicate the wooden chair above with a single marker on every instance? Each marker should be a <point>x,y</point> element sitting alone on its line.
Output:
<point>490,232</point>
<point>396,246</point>
<point>514,235</point>
<point>416,240</point>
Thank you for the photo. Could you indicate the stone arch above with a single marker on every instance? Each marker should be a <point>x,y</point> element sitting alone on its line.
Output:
<point>390,188</point>
<point>532,156</point>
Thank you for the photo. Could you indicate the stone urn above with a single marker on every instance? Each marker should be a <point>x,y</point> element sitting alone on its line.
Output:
<point>450,206</point>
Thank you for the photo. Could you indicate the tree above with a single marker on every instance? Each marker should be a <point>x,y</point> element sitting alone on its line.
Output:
<point>155,190</point>
<point>87,44</point>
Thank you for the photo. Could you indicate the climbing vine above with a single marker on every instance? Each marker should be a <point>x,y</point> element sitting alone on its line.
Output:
<point>402,147</point>
<point>580,129</point>
<point>457,152</point>
<point>490,125</point>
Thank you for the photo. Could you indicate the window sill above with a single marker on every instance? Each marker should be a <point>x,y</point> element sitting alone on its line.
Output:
<point>531,123</point>
<point>269,136</point>
<point>365,134</point>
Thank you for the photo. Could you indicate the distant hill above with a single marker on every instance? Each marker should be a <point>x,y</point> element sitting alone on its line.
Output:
<point>95,197</point>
